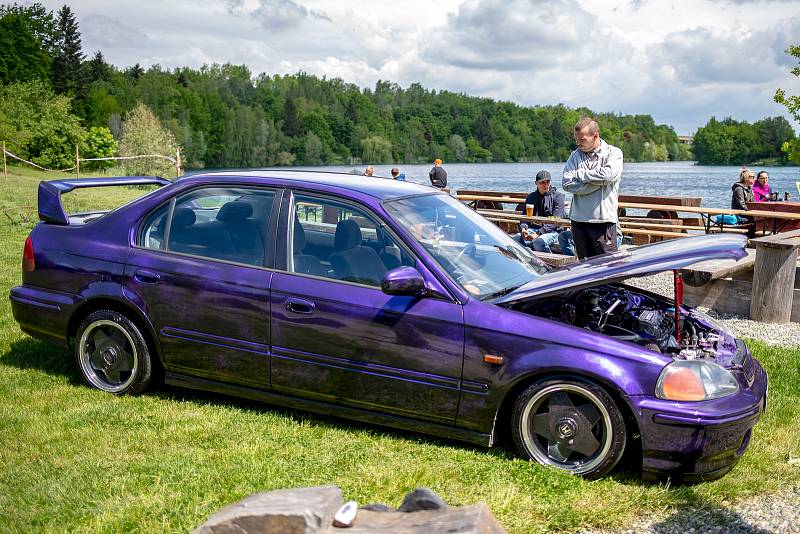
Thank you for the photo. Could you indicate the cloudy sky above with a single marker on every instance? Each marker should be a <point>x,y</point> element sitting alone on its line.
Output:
<point>681,61</point>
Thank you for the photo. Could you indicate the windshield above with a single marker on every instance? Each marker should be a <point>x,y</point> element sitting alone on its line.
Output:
<point>477,254</point>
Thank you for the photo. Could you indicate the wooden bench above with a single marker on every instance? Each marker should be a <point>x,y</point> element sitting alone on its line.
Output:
<point>774,277</point>
<point>704,272</point>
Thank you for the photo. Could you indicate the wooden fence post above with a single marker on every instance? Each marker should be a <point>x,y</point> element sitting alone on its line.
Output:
<point>77,163</point>
<point>177,162</point>
<point>773,278</point>
<point>5,169</point>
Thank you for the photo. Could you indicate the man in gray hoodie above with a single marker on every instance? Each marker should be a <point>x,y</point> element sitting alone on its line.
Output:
<point>592,174</point>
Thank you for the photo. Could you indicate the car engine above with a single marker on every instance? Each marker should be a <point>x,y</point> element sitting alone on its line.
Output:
<point>628,315</point>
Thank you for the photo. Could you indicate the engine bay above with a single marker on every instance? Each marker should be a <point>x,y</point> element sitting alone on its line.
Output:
<point>631,315</point>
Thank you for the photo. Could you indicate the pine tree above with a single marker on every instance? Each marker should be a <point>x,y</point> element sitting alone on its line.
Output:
<point>67,77</point>
<point>98,69</point>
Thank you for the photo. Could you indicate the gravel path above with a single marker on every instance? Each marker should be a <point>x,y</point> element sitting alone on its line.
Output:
<point>769,513</point>
<point>779,512</point>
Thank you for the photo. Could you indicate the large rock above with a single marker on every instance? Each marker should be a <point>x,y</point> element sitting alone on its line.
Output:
<point>311,511</point>
<point>285,511</point>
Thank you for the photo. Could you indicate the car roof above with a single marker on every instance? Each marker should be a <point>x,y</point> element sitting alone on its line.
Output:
<point>378,187</point>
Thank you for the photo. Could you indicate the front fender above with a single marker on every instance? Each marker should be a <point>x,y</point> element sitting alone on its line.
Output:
<point>533,347</point>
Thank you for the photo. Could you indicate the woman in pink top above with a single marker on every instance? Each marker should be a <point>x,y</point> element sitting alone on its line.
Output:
<point>761,190</point>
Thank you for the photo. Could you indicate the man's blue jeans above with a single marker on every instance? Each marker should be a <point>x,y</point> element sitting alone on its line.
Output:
<point>545,241</point>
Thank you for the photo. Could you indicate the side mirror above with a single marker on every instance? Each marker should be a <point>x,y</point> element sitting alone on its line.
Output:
<point>406,281</point>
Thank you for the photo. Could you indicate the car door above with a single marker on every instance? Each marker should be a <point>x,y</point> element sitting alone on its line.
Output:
<point>200,273</point>
<point>337,337</point>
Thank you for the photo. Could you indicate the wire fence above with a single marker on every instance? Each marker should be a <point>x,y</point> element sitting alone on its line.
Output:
<point>176,161</point>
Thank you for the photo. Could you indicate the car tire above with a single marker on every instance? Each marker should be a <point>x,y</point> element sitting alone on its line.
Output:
<point>571,424</point>
<point>112,354</point>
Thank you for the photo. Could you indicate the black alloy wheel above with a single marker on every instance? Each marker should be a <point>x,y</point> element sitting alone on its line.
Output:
<point>571,424</point>
<point>112,355</point>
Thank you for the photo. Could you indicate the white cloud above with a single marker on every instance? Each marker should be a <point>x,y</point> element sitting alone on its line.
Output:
<point>678,60</point>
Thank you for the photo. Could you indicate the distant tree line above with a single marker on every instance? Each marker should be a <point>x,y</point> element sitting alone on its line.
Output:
<point>730,142</point>
<point>224,116</point>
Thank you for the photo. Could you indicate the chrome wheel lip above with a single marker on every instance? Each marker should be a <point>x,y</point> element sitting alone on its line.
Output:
<point>540,454</point>
<point>84,358</point>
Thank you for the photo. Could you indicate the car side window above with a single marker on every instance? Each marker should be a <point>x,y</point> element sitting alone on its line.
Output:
<point>221,223</point>
<point>340,241</point>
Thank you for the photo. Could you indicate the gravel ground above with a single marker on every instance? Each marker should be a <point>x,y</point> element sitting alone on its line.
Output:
<point>769,513</point>
<point>775,334</point>
<point>778,512</point>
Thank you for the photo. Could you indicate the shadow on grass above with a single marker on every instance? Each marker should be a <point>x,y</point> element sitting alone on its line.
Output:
<point>54,360</point>
<point>29,353</point>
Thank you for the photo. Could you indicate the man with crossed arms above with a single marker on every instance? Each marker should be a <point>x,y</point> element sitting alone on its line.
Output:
<point>592,174</point>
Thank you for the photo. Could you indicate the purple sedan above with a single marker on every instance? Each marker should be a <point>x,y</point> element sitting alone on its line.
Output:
<point>391,303</point>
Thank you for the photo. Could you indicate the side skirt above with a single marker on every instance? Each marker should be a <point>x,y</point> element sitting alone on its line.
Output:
<point>365,416</point>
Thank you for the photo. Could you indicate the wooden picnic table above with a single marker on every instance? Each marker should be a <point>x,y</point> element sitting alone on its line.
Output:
<point>501,216</point>
<point>780,206</point>
<point>761,216</point>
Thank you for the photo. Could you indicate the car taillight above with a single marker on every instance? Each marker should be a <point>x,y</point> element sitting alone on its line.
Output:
<point>28,261</point>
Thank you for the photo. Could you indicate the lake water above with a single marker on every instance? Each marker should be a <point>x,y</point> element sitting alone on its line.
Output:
<point>678,178</point>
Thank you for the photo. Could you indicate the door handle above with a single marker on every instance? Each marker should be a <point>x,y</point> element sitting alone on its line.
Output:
<point>146,277</point>
<point>295,305</point>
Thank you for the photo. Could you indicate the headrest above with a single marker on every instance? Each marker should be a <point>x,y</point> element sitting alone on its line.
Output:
<point>299,239</point>
<point>183,217</point>
<point>348,235</point>
<point>235,211</point>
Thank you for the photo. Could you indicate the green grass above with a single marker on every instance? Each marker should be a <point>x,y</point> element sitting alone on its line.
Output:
<point>72,458</point>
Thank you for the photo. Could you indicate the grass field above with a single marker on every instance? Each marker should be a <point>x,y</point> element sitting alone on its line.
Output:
<point>72,458</point>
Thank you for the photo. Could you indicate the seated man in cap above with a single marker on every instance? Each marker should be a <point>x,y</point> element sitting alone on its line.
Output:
<point>547,201</point>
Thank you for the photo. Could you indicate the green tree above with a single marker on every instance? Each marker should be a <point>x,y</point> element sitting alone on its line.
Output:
<point>22,57</point>
<point>376,149</point>
<point>67,75</point>
<point>792,102</point>
<point>457,146</point>
<point>143,134</point>
<point>38,125</point>
<point>98,143</point>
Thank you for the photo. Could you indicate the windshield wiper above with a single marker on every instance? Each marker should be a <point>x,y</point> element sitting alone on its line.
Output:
<point>504,291</point>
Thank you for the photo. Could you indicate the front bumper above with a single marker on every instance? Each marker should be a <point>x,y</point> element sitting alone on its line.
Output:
<point>697,441</point>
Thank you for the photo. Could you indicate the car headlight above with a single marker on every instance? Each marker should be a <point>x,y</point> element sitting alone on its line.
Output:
<point>695,380</point>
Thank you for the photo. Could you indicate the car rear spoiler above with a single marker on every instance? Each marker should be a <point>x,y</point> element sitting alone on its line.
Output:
<point>51,210</point>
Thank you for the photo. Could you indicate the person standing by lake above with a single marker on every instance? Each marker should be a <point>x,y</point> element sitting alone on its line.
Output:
<point>592,174</point>
<point>397,175</point>
<point>761,189</point>
<point>438,175</point>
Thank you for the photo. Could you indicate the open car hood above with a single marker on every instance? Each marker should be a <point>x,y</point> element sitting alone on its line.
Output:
<point>639,261</point>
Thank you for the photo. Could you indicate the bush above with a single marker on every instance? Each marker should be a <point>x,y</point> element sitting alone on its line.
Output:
<point>143,134</point>
<point>38,125</point>
<point>98,143</point>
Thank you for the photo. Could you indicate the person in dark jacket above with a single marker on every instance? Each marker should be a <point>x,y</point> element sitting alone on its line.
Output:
<point>438,175</point>
<point>547,201</point>
<point>741,194</point>
<point>742,191</point>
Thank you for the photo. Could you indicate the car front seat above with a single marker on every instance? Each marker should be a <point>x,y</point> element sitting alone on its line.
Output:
<point>352,261</point>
